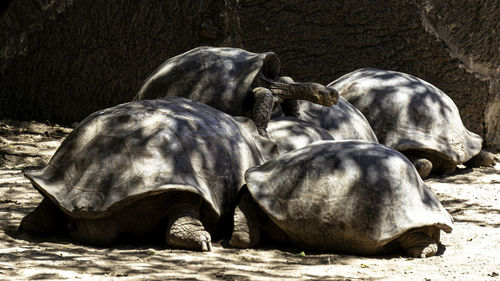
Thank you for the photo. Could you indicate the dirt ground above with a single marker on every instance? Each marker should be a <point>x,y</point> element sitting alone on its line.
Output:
<point>470,252</point>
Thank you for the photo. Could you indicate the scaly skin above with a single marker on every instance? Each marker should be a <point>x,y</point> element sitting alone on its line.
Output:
<point>46,219</point>
<point>246,232</point>
<point>268,93</point>
<point>427,162</point>
<point>185,229</point>
<point>423,166</point>
<point>262,109</point>
<point>418,244</point>
<point>309,91</point>
<point>252,225</point>
<point>482,159</point>
<point>290,107</point>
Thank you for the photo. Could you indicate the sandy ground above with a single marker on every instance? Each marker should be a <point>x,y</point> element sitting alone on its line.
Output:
<point>470,252</point>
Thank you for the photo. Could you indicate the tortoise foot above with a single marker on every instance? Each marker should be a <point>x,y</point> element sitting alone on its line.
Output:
<point>186,231</point>
<point>482,159</point>
<point>423,251</point>
<point>246,232</point>
<point>423,166</point>
<point>418,244</point>
<point>206,244</point>
<point>45,220</point>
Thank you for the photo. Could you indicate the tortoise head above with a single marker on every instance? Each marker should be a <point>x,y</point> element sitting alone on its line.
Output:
<point>285,88</point>
<point>317,93</point>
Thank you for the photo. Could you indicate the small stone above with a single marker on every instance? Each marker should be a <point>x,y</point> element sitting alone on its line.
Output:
<point>493,274</point>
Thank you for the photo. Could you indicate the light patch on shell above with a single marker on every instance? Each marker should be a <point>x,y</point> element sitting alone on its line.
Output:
<point>84,201</point>
<point>457,142</point>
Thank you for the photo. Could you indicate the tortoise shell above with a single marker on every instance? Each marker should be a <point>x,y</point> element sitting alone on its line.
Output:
<point>408,113</point>
<point>219,77</point>
<point>343,121</point>
<point>350,196</point>
<point>290,133</point>
<point>122,154</point>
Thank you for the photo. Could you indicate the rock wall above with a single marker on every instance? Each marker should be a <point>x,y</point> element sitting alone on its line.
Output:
<point>61,60</point>
<point>321,40</point>
<point>470,31</point>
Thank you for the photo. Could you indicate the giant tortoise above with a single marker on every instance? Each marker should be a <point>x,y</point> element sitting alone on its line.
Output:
<point>171,166</point>
<point>349,196</point>
<point>233,80</point>
<point>290,133</point>
<point>316,122</point>
<point>414,117</point>
<point>342,121</point>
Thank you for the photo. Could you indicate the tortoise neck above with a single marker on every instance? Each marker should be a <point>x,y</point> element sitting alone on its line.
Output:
<point>278,88</point>
<point>295,90</point>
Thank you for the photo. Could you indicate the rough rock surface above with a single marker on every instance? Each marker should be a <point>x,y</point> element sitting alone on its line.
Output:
<point>61,60</point>
<point>322,40</point>
<point>470,31</point>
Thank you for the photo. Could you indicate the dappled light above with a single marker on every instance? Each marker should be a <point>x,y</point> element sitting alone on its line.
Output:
<point>165,140</point>
<point>482,208</point>
<point>58,257</point>
<point>125,157</point>
<point>347,196</point>
<point>458,207</point>
<point>219,77</point>
<point>232,80</point>
<point>289,133</point>
<point>408,113</point>
<point>468,195</point>
<point>343,121</point>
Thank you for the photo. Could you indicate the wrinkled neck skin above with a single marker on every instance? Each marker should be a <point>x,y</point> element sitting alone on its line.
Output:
<point>290,90</point>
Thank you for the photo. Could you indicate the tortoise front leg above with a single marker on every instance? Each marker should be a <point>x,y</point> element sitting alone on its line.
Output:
<point>422,165</point>
<point>262,109</point>
<point>46,219</point>
<point>290,107</point>
<point>252,226</point>
<point>246,232</point>
<point>482,159</point>
<point>417,243</point>
<point>184,227</point>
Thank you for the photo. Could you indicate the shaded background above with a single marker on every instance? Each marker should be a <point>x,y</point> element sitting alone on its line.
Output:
<point>61,60</point>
